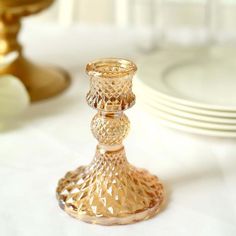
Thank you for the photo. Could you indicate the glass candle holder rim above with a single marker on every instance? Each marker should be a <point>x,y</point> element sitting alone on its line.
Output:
<point>97,68</point>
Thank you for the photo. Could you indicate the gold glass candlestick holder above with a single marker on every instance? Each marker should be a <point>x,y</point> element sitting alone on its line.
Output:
<point>41,82</point>
<point>110,190</point>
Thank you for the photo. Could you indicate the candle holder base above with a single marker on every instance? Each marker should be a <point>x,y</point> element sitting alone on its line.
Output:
<point>110,191</point>
<point>40,82</point>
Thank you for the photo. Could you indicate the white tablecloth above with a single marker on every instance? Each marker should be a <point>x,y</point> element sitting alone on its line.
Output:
<point>54,136</point>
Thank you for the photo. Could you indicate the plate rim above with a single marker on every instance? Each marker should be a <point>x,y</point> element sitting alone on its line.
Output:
<point>189,122</point>
<point>173,98</point>
<point>182,107</point>
<point>194,130</point>
<point>191,116</point>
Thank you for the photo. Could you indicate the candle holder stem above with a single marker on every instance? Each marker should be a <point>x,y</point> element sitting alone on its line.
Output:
<point>9,29</point>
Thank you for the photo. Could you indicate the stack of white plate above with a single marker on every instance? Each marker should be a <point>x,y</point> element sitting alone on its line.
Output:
<point>193,89</point>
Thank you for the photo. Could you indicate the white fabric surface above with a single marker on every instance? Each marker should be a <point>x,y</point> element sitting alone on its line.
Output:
<point>54,136</point>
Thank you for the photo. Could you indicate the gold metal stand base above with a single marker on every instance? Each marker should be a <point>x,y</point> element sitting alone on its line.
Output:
<point>41,82</point>
<point>110,191</point>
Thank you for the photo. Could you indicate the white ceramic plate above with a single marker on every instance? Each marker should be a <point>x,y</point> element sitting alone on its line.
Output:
<point>162,119</point>
<point>160,105</point>
<point>204,79</point>
<point>143,91</point>
<point>191,122</point>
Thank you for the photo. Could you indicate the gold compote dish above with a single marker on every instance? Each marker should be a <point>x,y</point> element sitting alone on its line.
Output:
<point>41,82</point>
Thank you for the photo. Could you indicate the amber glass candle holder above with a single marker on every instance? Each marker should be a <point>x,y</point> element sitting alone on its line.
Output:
<point>41,82</point>
<point>110,190</point>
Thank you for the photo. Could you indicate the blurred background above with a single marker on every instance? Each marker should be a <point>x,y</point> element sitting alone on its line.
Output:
<point>186,56</point>
<point>191,19</point>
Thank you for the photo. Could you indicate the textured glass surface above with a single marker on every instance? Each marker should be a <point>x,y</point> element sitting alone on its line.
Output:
<point>110,190</point>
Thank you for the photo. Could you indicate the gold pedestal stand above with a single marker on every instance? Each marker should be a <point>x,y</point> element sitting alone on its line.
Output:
<point>110,190</point>
<point>40,82</point>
